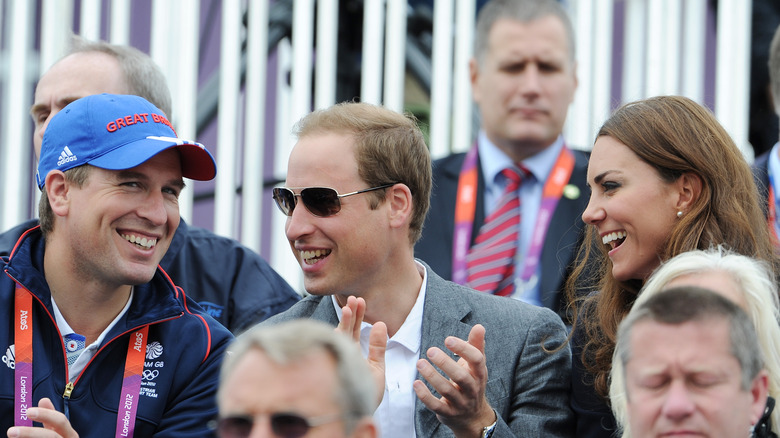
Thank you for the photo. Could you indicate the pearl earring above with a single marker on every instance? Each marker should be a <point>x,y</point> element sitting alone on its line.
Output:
<point>679,214</point>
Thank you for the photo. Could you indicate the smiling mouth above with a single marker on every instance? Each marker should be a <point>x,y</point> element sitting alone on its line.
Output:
<point>142,242</point>
<point>312,257</point>
<point>614,239</point>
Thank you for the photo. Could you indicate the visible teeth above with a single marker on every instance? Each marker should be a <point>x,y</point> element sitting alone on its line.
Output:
<point>611,237</point>
<point>310,257</point>
<point>140,241</point>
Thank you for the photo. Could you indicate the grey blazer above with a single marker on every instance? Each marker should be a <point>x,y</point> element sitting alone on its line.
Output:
<point>528,387</point>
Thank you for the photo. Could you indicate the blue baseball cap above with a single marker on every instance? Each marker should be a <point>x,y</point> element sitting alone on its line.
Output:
<point>116,132</point>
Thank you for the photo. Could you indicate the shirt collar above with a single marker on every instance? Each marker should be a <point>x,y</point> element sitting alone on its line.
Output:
<point>411,330</point>
<point>65,328</point>
<point>493,160</point>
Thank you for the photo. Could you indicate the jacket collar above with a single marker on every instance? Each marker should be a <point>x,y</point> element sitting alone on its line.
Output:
<point>155,301</point>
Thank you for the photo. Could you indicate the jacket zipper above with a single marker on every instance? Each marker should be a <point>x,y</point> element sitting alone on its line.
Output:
<point>66,398</point>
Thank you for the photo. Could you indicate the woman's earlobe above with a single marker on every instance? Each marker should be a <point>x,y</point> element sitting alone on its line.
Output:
<point>690,190</point>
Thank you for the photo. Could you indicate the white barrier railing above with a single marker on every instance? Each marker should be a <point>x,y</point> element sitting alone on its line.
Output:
<point>663,52</point>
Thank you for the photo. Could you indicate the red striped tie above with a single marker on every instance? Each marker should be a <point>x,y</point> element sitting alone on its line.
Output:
<point>490,262</point>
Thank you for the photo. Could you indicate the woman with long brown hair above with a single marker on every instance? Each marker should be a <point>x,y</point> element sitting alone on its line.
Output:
<point>665,178</point>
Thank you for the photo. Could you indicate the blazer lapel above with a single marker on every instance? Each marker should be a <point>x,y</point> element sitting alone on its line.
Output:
<point>325,311</point>
<point>444,314</point>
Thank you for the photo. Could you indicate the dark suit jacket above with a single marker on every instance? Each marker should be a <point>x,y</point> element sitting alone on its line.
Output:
<point>564,234</point>
<point>528,387</point>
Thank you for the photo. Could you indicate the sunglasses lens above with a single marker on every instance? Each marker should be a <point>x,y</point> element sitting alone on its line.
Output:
<point>234,427</point>
<point>285,200</point>
<point>321,201</point>
<point>289,426</point>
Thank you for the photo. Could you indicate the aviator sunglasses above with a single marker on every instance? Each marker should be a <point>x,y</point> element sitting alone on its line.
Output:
<point>320,201</point>
<point>283,425</point>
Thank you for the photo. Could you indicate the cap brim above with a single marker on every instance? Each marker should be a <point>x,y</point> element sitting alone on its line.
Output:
<point>196,161</point>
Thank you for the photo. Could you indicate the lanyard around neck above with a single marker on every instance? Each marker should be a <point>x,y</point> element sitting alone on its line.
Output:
<point>23,371</point>
<point>466,203</point>
<point>23,355</point>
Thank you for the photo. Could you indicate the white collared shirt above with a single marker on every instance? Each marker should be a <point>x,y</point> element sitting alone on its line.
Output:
<point>90,350</point>
<point>492,161</point>
<point>395,414</point>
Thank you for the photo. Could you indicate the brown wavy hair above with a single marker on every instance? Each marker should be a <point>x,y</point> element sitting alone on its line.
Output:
<point>674,135</point>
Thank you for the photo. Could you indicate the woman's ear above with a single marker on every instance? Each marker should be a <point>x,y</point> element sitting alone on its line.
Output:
<point>58,190</point>
<point>689,186</point>
<point>400,199</point>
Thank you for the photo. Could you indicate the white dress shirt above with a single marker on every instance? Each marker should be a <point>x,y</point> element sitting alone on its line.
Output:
<point>395,414</point>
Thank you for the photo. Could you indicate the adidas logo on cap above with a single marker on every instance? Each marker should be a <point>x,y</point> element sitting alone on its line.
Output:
<point>66,156</point>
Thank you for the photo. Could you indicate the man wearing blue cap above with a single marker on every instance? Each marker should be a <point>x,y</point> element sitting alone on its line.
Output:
<point>101,340</point>
<point>230,281</point>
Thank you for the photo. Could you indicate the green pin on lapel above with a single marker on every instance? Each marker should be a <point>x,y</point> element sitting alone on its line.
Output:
<point>571,191</point>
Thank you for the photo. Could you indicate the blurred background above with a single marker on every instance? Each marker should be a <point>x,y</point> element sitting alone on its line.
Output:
<point>242,72</point>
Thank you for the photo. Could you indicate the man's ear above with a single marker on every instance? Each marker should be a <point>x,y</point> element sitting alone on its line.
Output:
<point>58,191</point>
<point>689,185</point>
<point>759,391</point>
<point>474,77</point>
<point>400,198</point>
<point>365,428</point>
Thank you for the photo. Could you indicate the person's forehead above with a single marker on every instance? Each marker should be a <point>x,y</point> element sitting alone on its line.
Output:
<point>323,159</point>
<point>690,344</point>
<point>548,28</point>
<point>82,74</point>
<point>260,385</point>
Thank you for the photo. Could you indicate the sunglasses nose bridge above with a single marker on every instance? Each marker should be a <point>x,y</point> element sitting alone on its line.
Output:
<point>262,427</point>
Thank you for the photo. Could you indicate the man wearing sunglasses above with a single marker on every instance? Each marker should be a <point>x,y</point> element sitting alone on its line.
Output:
<point>295,379</point>
<point>357,192</point>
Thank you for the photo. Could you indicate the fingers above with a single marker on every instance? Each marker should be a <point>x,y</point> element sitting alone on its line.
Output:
<point>359,307</point>
<point>444,386</point>
<point>32,432</point>
<point>473,350</point>
<point>46,403</point>
<point>427,398</point>
<point>460,383</point>
<point>477,338</point>
<point>352,317</point>
<point>55,424</point>
<point>377,344</point>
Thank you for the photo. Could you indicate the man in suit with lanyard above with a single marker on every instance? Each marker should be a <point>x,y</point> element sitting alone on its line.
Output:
<point>357,190</point>
<point>523,80</point>
<point>767,166</point>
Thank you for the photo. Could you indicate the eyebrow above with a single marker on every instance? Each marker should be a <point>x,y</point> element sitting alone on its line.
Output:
<point>62,102</point>
<point>130,174</point>
<point>600,177</point>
